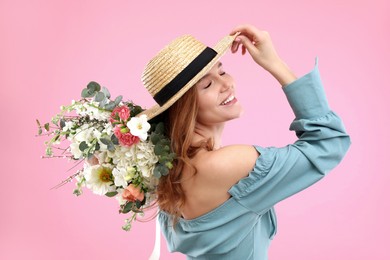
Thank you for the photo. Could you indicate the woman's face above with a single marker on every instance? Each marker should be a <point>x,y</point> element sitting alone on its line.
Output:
<point>216,95</point>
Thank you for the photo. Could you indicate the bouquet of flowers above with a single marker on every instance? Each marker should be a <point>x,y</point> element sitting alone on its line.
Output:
<point>124,156</point>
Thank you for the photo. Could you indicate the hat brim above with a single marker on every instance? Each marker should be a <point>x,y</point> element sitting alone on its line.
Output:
<point>221,47</point>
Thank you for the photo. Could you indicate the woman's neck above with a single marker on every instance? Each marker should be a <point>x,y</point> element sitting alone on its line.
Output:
<point>204,132</point>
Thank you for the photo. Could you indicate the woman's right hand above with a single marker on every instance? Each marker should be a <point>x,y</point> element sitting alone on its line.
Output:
<point>260,47</point>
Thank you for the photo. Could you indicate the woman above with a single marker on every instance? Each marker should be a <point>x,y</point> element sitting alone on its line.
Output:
<point>217,202</point>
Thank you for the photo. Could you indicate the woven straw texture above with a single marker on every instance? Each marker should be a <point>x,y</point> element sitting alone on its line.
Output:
<point>171,60</point>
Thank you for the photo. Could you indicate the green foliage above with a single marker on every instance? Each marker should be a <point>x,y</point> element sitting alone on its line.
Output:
<point>114,139</point>
<point>106,92</point>
<point>101,95</point>
<point>93,86</point>
<point>62,123</point>
<point>160,170</point>
<point>109,143</point>
<point>83,146</point>
<point>111,194</point>
<point>126,208</point>
<point>77,192</point>
<point>160,129</point>
<point>97,97</point>
<point>39,127</point>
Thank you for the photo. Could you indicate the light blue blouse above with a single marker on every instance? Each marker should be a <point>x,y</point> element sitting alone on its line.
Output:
<point>242,227</point>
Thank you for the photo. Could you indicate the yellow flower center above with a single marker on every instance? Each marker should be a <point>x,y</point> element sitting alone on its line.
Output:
<point>139,126</point>
<point>105,174</point>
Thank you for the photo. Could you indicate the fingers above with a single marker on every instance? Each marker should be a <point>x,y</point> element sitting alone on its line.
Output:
<point>241,28</point>
<point>247,44</point>
<point>235,45</point>
<point>243,50</point>
<point>246,29</point>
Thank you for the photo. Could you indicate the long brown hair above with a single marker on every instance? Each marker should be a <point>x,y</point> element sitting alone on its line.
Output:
<point>180,120</point>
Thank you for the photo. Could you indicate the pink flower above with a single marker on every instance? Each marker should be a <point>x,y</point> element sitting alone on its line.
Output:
<point>133,193</point>
<point>93,160</point>
<point>126,139</point>
<point>120,113</point>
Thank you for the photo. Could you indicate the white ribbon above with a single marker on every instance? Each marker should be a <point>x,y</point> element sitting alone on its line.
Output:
<point>156,250</point>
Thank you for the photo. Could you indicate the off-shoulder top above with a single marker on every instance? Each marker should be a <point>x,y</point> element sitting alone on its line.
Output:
<point>243,226</point>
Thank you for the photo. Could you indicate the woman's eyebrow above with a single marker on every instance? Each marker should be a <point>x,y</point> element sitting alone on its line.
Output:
<point>219,65</point>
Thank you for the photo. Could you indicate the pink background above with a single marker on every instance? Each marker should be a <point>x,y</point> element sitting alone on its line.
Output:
<point>49,51</point>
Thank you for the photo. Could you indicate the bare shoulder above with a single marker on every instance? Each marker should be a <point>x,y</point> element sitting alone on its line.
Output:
<point>226,166</point>
<point>217,172</point>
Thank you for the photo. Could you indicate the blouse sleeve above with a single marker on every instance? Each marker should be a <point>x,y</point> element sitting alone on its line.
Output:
<point>321,145</point>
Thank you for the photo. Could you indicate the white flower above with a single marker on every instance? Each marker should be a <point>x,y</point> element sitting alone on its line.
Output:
<point>99,178</point>
<point>102,156</point>
<point>74,149</point>
<point>120,177</point>
<point>68,126</point>
<point>139,126</point>
<point>146,170</point>
<point>145,154</point>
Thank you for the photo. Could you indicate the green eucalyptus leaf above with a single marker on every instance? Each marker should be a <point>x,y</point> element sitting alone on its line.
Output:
<point>99,96</point>
<point>106,92</point>
<point>158,149</point>
<point>163,159</point>
<point>114,139</point>
<point>39,130</point>
<point>87,93</point>
<point>156,172</point>
<point>165,142</point>
<point>105,141</point>
<point>161,169</point>
<point>138,204</point>
<point>172,156</point>
<point>103,102</point>
<point>118,99</point>
<point>127,207</point>
<point>164,170</point>
<point>111,193</point>
<point>160,128</point>
<point>93,86</point>
<point>97,146</point>
<point>83,145</point>
<point>110,106</point>
<point>111,147</point>
<point>154,138</point>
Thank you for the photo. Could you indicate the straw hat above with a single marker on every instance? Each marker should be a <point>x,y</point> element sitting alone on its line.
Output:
<point>177,67</point>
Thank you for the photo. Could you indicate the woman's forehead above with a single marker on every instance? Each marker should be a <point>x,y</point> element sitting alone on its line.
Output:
<point>215,67</point>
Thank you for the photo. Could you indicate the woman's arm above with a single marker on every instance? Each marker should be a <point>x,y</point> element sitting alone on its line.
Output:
<point>260,177</point>
<point>260,47</point>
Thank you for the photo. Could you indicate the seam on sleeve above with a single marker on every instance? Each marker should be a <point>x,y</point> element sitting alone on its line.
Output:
<point>259,172</point>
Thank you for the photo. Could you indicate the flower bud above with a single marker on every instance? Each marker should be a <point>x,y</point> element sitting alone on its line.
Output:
<point>169,165</point>
<point>125,130</point>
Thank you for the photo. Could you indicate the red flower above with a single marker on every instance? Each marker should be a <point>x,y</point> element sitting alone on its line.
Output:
<point>126,139</point>
<point>120,113</point>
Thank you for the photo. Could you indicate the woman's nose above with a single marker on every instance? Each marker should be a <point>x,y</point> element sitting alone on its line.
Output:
<point>225,84</point>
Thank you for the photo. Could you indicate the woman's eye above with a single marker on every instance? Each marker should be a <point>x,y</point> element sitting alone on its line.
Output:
<point>222,73</point>
<point>208,85</point>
